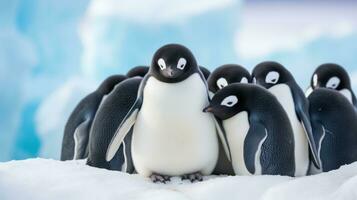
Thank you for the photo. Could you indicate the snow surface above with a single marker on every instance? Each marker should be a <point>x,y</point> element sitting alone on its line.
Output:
<point>50,180</point>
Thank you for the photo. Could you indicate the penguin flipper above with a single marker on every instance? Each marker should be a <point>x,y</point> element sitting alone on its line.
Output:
<point>223,137</point>
<point>253,142</point>
<point>80,136</point>
<point>302,111</point>
<point>121,132</point>
<point>319,135</point>
<point>127,123</point>
<point>306,124</point>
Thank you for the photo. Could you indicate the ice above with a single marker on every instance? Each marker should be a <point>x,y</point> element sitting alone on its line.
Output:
<point>53,113</point>
<point>49,179</point>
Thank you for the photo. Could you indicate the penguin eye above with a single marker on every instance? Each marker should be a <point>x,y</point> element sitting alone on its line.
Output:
<point>244,80</point>
<point>333,83</point>
<point>181,63</point>
<point>161,63</point>
<point>229,101</point>
<point>314,80</point>
<point>272,77</point>
<point>221,83</point>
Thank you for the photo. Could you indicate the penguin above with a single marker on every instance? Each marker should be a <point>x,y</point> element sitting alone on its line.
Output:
<point>219,78</point>
<point>205,72</point>
<point>76,132</point>
<point>171,135</point>
<point>332,76</point>
<point>279,81</point>
<point>227,74</point>
<point>258,131</point>
<point>140,71</point>
<point>109,115</point>
<point>334,126</point>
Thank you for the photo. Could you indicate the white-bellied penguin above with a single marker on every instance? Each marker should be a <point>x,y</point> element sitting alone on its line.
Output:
<point>225,75</point>
<point>258,131</point>
<point>335,77</point>
<point>279,81</point>
<point>171,135</point>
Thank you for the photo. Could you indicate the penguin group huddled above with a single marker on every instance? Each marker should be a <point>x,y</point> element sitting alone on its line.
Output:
<point>175,118</point>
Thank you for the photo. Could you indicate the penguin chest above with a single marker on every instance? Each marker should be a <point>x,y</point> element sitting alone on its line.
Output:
<point>237,128</point>
<point>172,135</point>
<point>301,151</point>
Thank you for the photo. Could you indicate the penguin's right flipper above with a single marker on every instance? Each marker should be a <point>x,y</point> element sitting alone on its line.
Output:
<point>127,123</point>
<point>121,132</point>
<point>305,121</point>
<point>80,137</point>
<point>253,142</point>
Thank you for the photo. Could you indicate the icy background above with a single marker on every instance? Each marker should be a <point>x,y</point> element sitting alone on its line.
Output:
<point>52,52</point>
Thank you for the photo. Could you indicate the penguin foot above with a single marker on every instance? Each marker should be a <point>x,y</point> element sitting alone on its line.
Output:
<point>159,178</point>
<point>193,177</point>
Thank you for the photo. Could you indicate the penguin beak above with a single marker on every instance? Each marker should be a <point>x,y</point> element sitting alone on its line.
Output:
<point>170,72</point>
<point>208,109</point>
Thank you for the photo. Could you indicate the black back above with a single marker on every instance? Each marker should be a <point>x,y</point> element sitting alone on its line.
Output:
<point>140,71</point>
<point>110,114</point>
<point>206,73</point>
<point>85,112</point>
<point>334,124</point>
<point>227,74</point>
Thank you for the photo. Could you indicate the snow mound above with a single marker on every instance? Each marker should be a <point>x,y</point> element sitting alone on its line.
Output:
<point>49,179</point>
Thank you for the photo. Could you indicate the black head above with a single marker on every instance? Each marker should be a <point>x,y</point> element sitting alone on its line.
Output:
<point>140,71</point>
<point>173,63</point>
<point>331,76</point>
<point>231,100</point>
<point>268,74</point>
<point>205,72</point>
<point>227,74</point>
<point>109,83</point>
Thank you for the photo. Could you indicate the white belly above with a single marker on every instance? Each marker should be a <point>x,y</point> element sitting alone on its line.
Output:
<point>172,135</point>
<point>284,95</point>
<point>237,128</point>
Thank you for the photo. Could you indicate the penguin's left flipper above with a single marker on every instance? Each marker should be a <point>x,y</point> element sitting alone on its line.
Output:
<point>223,137</point>
<point>304,119</point>
<point>80,137</point>
<point>253,142</point>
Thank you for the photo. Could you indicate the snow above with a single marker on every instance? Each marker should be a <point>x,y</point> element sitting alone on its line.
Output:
<point>50,179</point>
